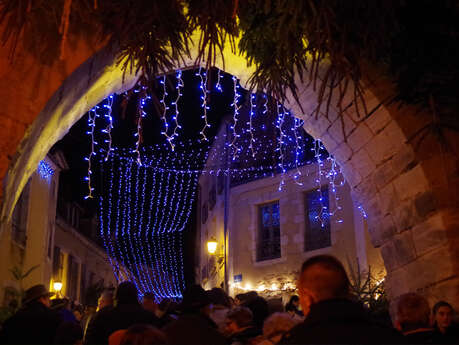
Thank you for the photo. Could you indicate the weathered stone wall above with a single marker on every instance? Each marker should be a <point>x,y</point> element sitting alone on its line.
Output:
<point>409,192</point>
<point>409,189</point>
<point>28,83</point>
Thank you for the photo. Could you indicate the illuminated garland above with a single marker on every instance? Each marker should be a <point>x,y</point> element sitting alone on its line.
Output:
<point>218,85</point>
<point>92,126</point>
<point>178,87</point>
<point>236,149</point>
<point>279,124</point>
<point>332,175</point>
<point>108,129</point>
<point>45,171</point>
<point>150,205</point>
<point>251,115</point>
<point>141,114</point>
<point>297,175</point>
<point>203,86</point>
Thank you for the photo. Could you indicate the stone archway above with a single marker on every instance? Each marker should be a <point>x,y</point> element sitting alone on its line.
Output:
<point>409,216</point>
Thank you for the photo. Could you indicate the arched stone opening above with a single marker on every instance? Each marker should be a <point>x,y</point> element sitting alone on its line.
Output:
<point>409,216</point>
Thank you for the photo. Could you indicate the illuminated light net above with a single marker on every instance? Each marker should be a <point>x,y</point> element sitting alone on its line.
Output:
<point>143,212</point>
<point>146,193</point>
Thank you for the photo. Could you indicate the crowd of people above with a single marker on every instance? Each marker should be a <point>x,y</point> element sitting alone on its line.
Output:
<point>323,313</point>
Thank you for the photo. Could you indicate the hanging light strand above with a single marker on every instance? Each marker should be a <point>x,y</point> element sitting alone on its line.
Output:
<point>297,175</point>
<point>180,84</point>
<point>265,104</point>
<point>251,115</point>
<point>218,86</point>
<point>204,106</point>
<point>108,129</point>
<point>141,114</point>
<point>165,108</point>
<point>92,126</point>
<point>279,124</point>
<point>321,217</point>
<point>236,149</point>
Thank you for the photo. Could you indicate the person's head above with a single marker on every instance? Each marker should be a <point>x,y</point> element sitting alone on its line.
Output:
<point>78,311</point>
<point>322,277</point>
<point>412,312</point>
<point>294,301</point>
<point>149,303</point>
<point>218,297</point>
<point>143,335</point>
<point>290,308</point>
<point>127,293</point>
<point>37,293</point>
<point>239,299</point>
<point>260,310</point>
<point>442,315</point>
<point>276,325</point>
<point>105,299</point>
<point>195,299</point>
<point>238,319</point>
<point>59,303</point>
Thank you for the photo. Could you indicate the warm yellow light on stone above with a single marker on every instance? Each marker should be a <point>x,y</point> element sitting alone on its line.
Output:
<point>212,246</point>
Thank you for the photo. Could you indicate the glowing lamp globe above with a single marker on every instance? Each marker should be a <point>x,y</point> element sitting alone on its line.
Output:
<point>57,286</point>
<point>212,246</point>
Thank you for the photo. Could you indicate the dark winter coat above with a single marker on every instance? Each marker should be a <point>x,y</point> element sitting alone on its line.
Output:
<point>244,337</point>
<point>192,329</point>
<point>33,324</point>
<point>427,336</point>
<point>340,321</point>
<point>107,321</point>
<point>450,337</point>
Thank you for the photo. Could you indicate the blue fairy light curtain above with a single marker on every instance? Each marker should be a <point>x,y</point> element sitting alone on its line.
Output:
<point>144,209</point>
<point>150,145</point>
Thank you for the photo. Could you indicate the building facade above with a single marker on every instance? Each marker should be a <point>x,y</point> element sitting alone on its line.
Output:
<point>49,241</point>
<point>264,234</point>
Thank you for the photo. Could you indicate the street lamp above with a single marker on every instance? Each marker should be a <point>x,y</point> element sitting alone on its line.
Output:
<point>57,287</point>
<point>212,246</point>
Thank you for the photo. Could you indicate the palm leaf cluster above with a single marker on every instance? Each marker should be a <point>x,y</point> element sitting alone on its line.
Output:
<point>331,44</point>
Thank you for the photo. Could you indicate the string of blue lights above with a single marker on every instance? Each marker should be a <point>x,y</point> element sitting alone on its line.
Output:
<point>148,198</point>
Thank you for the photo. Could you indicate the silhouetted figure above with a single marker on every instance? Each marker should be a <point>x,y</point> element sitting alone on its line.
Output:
<point>442,317</point>
<point>275,326</point>
<point>194,326</point>
<point>293,306</point>
<point>220,306</point>
<point>257,305</point>
<point>331,317</point>
<point>105,300</point>
<point>127,312</point>
<point>239,326</point>
<point>149,303</point>
<point>69,331</point>
<point>35,322</point>
<point>413,314</point>
<point>143,335</point>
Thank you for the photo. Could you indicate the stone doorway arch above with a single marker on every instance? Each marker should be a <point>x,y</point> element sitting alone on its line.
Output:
<point>411,204</point>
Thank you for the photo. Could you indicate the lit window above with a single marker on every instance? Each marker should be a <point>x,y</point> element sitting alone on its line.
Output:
<point>317,234</point>
<point>268,241</point>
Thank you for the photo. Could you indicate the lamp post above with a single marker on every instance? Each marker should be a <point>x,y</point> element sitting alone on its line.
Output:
<point>212,246</point>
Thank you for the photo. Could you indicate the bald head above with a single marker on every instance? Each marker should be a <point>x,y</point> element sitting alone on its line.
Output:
<point>324,277</point>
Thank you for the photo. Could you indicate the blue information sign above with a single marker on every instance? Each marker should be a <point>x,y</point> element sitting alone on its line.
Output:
<point>238,278</point>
